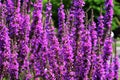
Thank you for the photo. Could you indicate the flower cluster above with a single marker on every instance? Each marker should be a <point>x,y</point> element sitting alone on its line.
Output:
<point>31,48</point>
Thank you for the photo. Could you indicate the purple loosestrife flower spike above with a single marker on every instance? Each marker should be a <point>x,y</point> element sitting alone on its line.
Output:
<point>71,17</point>
<point>86,50</point>
<point>110,73</point>
<point>116,67</point>
<point>67,52</point>
<point>61,21</point>
<point>93,34</point>
<point>100,28</point>
<point>99,73</point>
<point>53,47</point>
<point>107,48</point>
<point>38,41</point>
<point>23,39</point>
<point>4,45</point>
<point>14,66</point>
<point>107,36</point>
<point>10,10</point>
<point>78,21</point>
<point>79,25</point>
<point>14,24</point>
<point>72,11</point>
<point>107,53</point>
<point>24,50</point>
<point>109,13</point>
<point>108,17</point>
<point>72,27</point>
<point>13,20</point>
<point>49,72</point>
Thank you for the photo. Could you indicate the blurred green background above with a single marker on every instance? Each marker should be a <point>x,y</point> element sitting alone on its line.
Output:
<point>94,4</point>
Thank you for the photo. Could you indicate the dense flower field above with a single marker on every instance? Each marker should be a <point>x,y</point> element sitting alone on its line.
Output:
<point>32,49</point>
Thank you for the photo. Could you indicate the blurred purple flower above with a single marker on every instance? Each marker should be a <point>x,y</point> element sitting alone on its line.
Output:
<point>38,42</point>
<point>55,58</point>
<point>61,21</point>
<point>5,51</point>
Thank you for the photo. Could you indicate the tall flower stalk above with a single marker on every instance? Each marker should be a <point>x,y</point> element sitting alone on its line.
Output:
<point>100,28</point>
<point>94,38</point>
<point>79,25</point>
<point>5,51</point>
<point>14,65</point>
<point>108,17</point>
<point>107,35</point>
<point>99,72</point>
<point>14,24</point>
<point>10,11</point>
<point>107,53</point>
<point>38,42</point>
<point>86,57</point>
<point>66,48</point>
<point>110,73</point>
<point>55,57</point>
<point>61,21</point>
<point>13,20</point>
<point>23,42</point>
<point>72,32</point>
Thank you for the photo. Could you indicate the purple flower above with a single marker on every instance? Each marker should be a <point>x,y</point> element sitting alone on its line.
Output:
<point>10,9</point>
<point>38,41</point>
<point>73,38</point>
<point>66,50</point>
<point>99,67</point>
<point>49,72</point>
<point>30,48</point>
<point>99,72</point>
<point>72,28</point>
<point>79,28</point>
<point>109,13</point>
<point>4,45</point>
<point>14,23</point>
<point>107,39</point>
<point>79,22</point>
<point>100,28</point>
<point>55,58</point>
<point>110,73</point>
<point>86,57</point>
<point>108,17</point>
<point>116,67</point>
<point>72,11</point>
<point>78,3</point>
<point>61,21</point>
<point>107,49</point>
<point>93,33</point>
<point>14,66</point>
<point>94,39</point>
<point>107,52</point>
<point>23,42</point>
